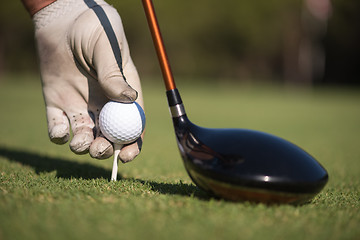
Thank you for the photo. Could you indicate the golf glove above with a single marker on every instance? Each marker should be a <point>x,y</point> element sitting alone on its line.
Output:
<point>84,61</point>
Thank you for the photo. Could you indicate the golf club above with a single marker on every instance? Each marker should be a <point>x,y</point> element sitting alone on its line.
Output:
<point>237,164</point>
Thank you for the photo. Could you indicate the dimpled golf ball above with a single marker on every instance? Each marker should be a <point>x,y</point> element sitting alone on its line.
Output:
<point>122,123</point>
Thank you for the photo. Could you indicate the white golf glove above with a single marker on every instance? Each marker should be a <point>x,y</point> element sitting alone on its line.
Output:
<point>84,60</point>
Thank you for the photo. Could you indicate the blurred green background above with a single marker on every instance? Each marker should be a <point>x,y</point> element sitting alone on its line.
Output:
<point>229,39</point>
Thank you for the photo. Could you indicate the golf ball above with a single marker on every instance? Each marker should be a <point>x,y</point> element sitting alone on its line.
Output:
<point>122,123</point>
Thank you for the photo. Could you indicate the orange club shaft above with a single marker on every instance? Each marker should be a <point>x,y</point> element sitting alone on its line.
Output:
<point>159,45</point>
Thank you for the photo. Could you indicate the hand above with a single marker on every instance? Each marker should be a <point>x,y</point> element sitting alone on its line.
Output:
<point>84,62</point>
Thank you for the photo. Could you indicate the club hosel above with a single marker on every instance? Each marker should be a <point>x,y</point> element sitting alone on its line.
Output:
<point>175,103</point>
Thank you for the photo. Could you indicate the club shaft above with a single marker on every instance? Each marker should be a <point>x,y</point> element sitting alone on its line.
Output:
<point>159,44</point>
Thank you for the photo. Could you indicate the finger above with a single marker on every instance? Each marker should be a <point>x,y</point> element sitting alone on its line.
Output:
<point>58,125</point>
<point>133,79</point>
<point>101,148</point>
<point>101,49</point>
<point>110,74</point>
<point>131,151</point>
<point>82,127</point>
<point>111,53</point>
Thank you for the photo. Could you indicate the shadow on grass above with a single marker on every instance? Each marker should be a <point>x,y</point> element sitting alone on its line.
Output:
<point>183,189</point>
<point>69,169</point>
<point>64,168</point>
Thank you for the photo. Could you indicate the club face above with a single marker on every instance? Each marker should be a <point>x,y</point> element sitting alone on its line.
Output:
<point>240,164</point>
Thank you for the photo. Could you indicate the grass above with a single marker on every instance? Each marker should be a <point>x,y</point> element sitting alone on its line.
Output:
<point>47,192</point>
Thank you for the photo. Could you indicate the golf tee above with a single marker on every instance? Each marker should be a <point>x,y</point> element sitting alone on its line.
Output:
<point>117,148</point>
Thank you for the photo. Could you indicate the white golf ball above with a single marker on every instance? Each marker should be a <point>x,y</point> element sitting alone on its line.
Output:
<point>122,123</point>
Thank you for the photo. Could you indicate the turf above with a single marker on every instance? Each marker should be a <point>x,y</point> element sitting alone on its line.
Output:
<point>47,192</point>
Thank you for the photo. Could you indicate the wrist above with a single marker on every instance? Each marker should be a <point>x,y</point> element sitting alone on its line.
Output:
<point>33,6</point>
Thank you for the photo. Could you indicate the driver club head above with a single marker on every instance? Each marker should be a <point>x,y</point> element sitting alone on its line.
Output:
<point>245,165</point>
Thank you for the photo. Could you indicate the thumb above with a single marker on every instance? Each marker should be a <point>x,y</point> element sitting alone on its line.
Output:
<point>111,53</point>
<point>98,42</point>
<point>110,72</point>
